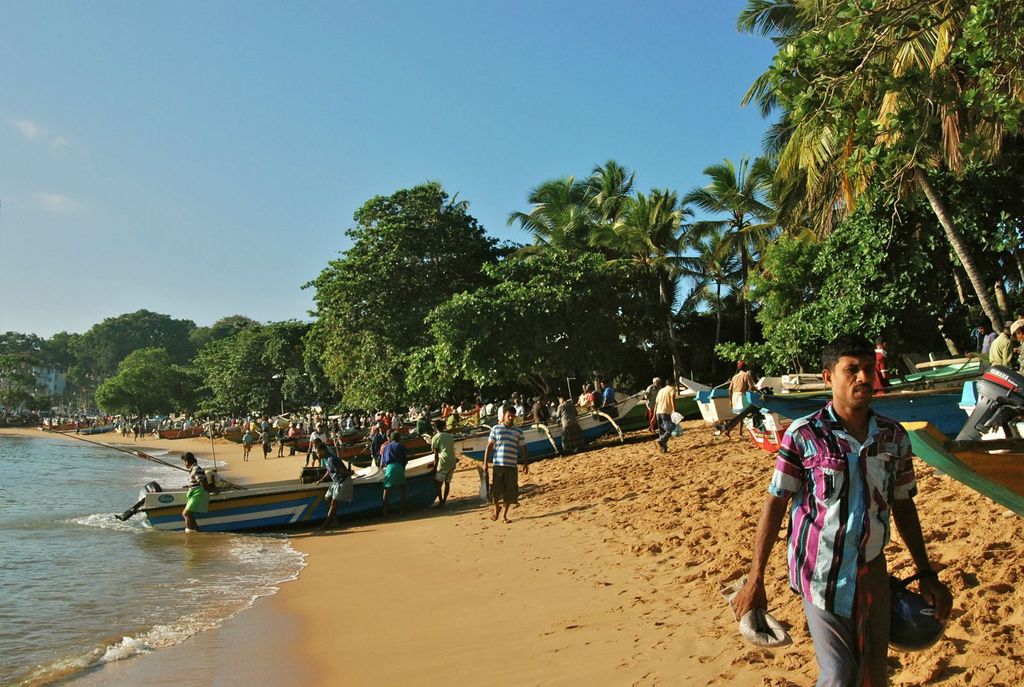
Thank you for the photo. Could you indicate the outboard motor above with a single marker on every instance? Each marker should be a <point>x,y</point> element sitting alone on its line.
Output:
<point>1000,404</point>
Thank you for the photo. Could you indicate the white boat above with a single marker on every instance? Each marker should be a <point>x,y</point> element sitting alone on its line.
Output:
<point>544,441</point>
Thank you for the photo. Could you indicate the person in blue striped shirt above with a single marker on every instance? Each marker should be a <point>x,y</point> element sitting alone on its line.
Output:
<point>506,448</point>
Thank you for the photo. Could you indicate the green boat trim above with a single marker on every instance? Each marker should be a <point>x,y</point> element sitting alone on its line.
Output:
<point>999,476</point>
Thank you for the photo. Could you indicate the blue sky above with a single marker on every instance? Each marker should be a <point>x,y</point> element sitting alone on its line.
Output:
<point>203,159</point>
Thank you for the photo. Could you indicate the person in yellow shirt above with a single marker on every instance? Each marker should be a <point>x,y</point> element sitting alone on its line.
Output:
<point>664,406</point>
<point>1001,352</point>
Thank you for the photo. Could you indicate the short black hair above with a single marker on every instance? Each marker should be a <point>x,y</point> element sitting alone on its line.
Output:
<point>508,409</point>
<point>439,425</point>
<point>847,344</point>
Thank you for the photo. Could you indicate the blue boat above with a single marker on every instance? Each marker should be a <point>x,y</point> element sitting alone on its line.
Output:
<point>940,407</point>
<point>281,504</point>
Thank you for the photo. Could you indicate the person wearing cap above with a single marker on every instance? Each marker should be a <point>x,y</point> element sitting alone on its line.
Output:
<point>199,489</point>
<point>844,474</point>
<point>1001,351</point>
<point>1017,334</point>
<point>740,383</point>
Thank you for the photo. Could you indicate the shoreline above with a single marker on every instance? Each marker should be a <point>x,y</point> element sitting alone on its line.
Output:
<point>609,573</point>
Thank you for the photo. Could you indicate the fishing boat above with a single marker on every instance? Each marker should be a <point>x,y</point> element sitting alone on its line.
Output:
<point>545,441</point>
<point>190,433</point>
<point>99,429</point>
<point>766,430</point>
<point>280,504</point>
<point>938,406</point>
<point>998,472</point>
<point>636,418</point>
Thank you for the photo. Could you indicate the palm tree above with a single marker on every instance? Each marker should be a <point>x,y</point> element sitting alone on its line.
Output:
<point>608,190</point>
<point>560,216</point>
<point>713,266</point>
<point>890,109</point>
<point>650,234</point>
<point>741,194</point>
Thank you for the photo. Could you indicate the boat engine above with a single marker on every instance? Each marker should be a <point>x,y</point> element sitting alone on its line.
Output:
<point>1000,404</point>
<point>150,488</point>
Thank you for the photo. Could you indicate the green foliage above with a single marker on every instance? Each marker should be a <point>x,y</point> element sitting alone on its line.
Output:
<point>17,385</point>
<point>101,349</point>
<point>411,252</point>
<point>865,278</point>
<point>545,317</point>
<point>257,369</point>
<point>147,382</point>
<point>221,329</point>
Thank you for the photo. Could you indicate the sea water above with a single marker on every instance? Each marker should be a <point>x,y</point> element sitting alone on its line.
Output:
<point>79,588</point>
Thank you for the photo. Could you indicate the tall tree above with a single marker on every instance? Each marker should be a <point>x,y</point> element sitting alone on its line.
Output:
<point>105,345</point>
<point>740,193</point>
<point>889,94</point>
<point>560,215</point>
<point>258,369</point>
<point>712,266</point>
<point>411,251</point>
<point>147,382</point>
<point>545,317</point>
<point>648,233</point>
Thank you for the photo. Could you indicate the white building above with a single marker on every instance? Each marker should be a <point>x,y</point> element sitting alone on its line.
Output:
<point>51,379</point>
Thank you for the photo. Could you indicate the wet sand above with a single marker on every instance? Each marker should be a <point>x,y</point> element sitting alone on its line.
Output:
<point>609,575</point>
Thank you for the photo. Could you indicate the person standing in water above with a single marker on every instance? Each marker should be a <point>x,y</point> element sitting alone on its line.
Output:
<point>199,490</point>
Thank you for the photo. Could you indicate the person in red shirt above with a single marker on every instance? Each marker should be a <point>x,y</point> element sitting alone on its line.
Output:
<point>881,365</point>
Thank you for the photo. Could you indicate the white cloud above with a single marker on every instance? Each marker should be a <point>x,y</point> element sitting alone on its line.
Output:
<point>29,129</point>
<point>34,131</point>
<point>57,202</point>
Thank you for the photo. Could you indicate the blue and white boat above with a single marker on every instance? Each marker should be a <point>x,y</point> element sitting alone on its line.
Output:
<point>545,441</point>
<point>281,504</point>
<point>940,407</point>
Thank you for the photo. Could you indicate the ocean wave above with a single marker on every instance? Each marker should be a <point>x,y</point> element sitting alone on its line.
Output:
<point>265,562</point>
<point>107,521</point>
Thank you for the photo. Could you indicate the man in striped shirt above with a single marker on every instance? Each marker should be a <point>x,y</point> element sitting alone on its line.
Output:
<point>508,447</point>
<point>845,469</point>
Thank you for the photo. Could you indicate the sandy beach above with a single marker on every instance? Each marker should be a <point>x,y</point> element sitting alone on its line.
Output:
<point>609,574</point>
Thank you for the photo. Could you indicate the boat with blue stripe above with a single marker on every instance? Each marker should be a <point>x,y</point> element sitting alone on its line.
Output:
<point>270,505</point>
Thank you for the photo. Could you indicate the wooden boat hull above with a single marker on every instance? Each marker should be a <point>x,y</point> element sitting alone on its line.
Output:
<point>283,504</point>
<point>997,475</point>
<point>189,433</point>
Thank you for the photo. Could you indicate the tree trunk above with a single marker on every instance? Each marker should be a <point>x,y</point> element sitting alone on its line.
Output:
<point>956,240</point>
<point>951,346</point>
<point>1004,306</point>
<point>743,296</point>
<point>1019,262</point>
<point>718,328</point>
<point>960,293</point>
<point>667,302</point>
